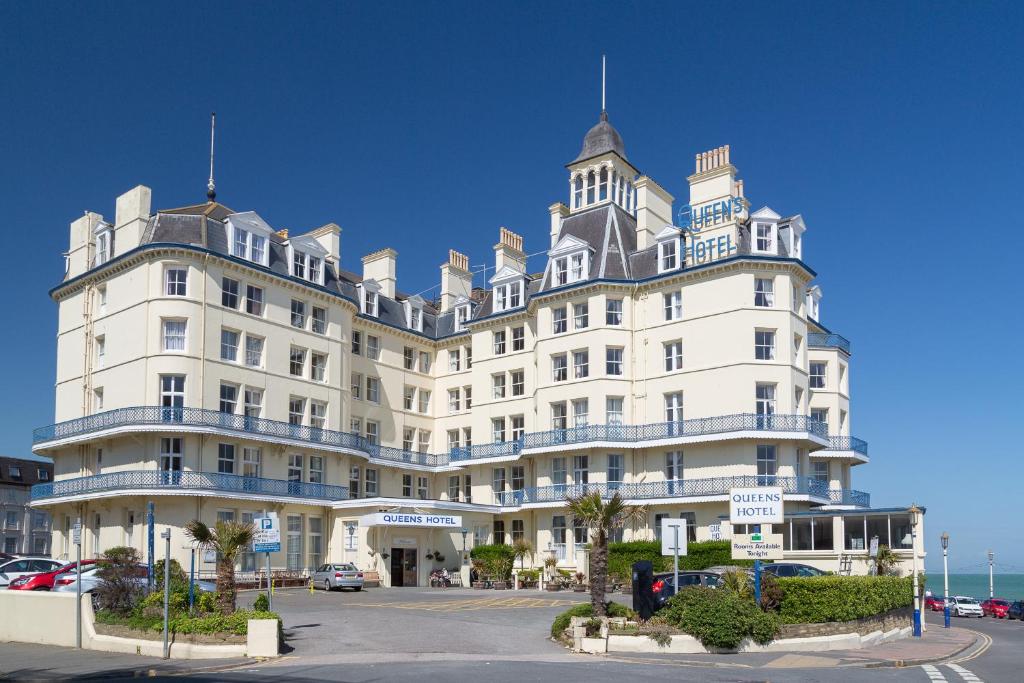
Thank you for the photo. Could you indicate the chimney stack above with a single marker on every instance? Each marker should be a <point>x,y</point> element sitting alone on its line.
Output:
<point>130,217</point>
<point>653,211</point>
<point>712,159</point>
<point>456,280</point>
<point>558,212</point>
<point>381,266</point>
<point>509,251</point>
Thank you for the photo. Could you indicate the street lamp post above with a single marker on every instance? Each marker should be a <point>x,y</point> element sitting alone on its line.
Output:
<point>991,592</point>
<point>945,579</point>
<point>464,532</point>
<point>914,512</point>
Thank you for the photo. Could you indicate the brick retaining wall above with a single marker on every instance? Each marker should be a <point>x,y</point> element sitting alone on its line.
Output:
<point>897,618</point>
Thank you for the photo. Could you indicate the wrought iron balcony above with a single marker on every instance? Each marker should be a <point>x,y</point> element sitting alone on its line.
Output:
<point>849,497</point>
<point>821,340</point>
<point>680,488</point>
<point>847,443</point>
<point>168,418</point>
<point>186,480</point>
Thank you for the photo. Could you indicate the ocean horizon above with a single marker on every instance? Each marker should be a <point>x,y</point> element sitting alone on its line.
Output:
<point>1009,586</point>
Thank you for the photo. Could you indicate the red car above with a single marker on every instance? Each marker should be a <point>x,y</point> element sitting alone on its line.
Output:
<point>995,607</point>
<point>45,581</point>
<point>934,602</point>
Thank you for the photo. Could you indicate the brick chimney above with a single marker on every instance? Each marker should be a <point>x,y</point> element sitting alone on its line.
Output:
<point>509,251</point>
<point>456,280</point>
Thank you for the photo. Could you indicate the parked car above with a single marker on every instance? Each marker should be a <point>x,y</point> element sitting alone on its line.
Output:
<point>664,584</point>
<point>45,580</point>
<point>790,569</point>
<point>22,566</point>
<point>331,576</point>
<point>995,607</point>
<point>91,578</point>
<point>935,603</point>
<point>964,606</point>
<point>1016,610</point>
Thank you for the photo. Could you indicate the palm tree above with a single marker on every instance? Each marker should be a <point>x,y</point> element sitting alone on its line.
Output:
<point>886,561</point>
<point>521,550</point>
<point>601,517</point>
<point>227,539</point>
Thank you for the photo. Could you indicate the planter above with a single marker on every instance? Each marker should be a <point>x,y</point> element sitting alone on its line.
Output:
<point>480,585</point>
<point>579,589</point>
<point>500,585</point>
<point>553,587</point>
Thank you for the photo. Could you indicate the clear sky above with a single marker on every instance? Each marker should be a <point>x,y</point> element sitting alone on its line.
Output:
<point>894,128</point>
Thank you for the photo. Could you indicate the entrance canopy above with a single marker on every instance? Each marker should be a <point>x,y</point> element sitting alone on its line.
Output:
<point>410,519</point>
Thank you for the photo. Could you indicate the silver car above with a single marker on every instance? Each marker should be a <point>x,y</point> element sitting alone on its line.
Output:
<point>91,579</point>
<point>331,576</point>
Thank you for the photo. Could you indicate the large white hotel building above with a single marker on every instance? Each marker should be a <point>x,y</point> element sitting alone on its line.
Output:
<point>218,368</point>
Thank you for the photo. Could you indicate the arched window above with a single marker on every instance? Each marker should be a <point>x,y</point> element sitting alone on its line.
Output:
<point>615,187</point>
<point>629,196</point>
<point>622,191</point>
<point>591,178</point>
<point>603,190</point>
<point>577,195</point>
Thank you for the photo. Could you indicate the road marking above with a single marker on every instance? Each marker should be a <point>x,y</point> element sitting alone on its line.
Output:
<point>986,644</point>
<point>964,673</point>
<point>933,673</point>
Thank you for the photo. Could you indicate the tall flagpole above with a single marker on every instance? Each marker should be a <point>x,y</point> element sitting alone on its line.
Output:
<point>211,191</point>
<point>602,82</point>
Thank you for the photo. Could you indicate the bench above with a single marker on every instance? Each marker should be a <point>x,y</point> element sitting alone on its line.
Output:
<point>371,579</point>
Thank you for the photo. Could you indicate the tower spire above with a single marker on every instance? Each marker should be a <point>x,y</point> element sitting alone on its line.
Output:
<point>603,111</point>
<point>211,188</point>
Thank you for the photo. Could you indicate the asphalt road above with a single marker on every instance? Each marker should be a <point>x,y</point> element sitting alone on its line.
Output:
<point>419,634</point>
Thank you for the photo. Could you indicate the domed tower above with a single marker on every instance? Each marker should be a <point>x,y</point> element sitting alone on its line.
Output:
<point>601,173</point>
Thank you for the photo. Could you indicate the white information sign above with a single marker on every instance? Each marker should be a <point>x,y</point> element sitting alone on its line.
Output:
<point>76,534</point>
<point>668,535</point>
<point>757,546</point>
<point>761,505</point>
<point>266,537</point>
<point>410,519</point>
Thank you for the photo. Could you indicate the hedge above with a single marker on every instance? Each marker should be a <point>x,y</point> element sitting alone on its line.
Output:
<point>699,555</point>
<point>718,617</point>
<point>817,599</point>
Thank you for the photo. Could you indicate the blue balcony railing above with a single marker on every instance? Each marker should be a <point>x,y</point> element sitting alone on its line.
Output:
<point>255,426</point>
<point>682,488</point>
<point>828,341</point>
<point>847,443</point>
<point>186,480</point>
<point>849,497</point>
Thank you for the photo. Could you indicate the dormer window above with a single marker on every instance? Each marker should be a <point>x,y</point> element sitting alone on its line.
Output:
<point>764,238</point>
<point>814,303</point>
<point>307,259</point>
<point>462,313</point>
<point>369,297</point>
<point>414,312</point>
<point>570,261</point>
<point>248,235</point>
<point>508,296</point>
<point>669,243</point>
<point>104,243</point>
<point>370,303</point>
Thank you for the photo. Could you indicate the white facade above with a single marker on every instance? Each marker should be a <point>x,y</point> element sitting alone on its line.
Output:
<point>217,368</point>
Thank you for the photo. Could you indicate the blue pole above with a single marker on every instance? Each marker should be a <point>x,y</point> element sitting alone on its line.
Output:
<point>152,542</point>
<point>192,581</point>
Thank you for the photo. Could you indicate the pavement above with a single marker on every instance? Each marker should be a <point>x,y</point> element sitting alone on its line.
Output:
<point>418,634</point>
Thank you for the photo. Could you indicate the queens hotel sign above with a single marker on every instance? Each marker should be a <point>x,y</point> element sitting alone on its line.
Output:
<point>410,519</point>
<point>694,219</point>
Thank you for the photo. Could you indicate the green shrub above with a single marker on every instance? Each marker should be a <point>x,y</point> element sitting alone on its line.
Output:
<point>179,580</point>
<point>699,555</point>
<point>561,622</point>
<point>118,589</point>
<point>236,623</point>
<point>496,559</point>
<point>529,575</point>
<point>207,602</point>
<point>817,599</point>
<point>718,618</point>
<point>262,603</point>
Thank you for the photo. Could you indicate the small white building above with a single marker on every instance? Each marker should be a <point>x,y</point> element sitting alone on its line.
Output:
<point>220,369</point>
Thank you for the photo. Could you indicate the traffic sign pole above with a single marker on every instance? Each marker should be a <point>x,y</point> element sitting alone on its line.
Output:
<point>78,583</point>
<point>757,575</point>
<point>270,587</point>
<point>675,562</point>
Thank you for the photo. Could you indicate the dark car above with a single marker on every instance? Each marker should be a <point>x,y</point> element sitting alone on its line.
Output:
<point>664,584</point>
<point>790,569</point>
<point>1016,610</point>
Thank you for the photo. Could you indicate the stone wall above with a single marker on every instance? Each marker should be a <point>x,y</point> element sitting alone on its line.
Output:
<point>887,621</point>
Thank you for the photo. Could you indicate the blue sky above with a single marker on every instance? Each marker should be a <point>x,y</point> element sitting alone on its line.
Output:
<point>894,128</point>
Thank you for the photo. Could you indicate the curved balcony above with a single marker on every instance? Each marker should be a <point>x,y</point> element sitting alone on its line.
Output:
<point>821,340</point>
<point>849,497</point>
<point>160,480</point>
<point>681,488</point>
<point>848,443</point>
<point>155,418</point>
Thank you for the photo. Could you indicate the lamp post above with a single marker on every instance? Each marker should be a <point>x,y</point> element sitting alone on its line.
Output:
<point>464,532</point>
<point>945,579</point>
<point>914,512</point>
<point>991,592</point>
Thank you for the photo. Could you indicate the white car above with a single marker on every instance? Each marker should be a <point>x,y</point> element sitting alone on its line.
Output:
<point>963,606</point>
<point>22,566</point>
<point>91,579</point>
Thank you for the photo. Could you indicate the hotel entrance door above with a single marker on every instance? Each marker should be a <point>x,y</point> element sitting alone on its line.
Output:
<point>403,567</point>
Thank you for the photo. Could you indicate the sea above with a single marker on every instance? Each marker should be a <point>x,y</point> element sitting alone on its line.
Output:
<point>1009,586</point>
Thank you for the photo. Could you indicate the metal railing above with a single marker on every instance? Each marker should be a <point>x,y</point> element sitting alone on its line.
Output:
<point>244,425</point>
<point>162,479</point>
<point>678,488</point>
<point>849,497</point>
<point>847,443</point>
<point>828,341</point>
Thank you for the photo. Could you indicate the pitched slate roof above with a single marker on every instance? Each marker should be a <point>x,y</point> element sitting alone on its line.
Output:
<point>610,233</point>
